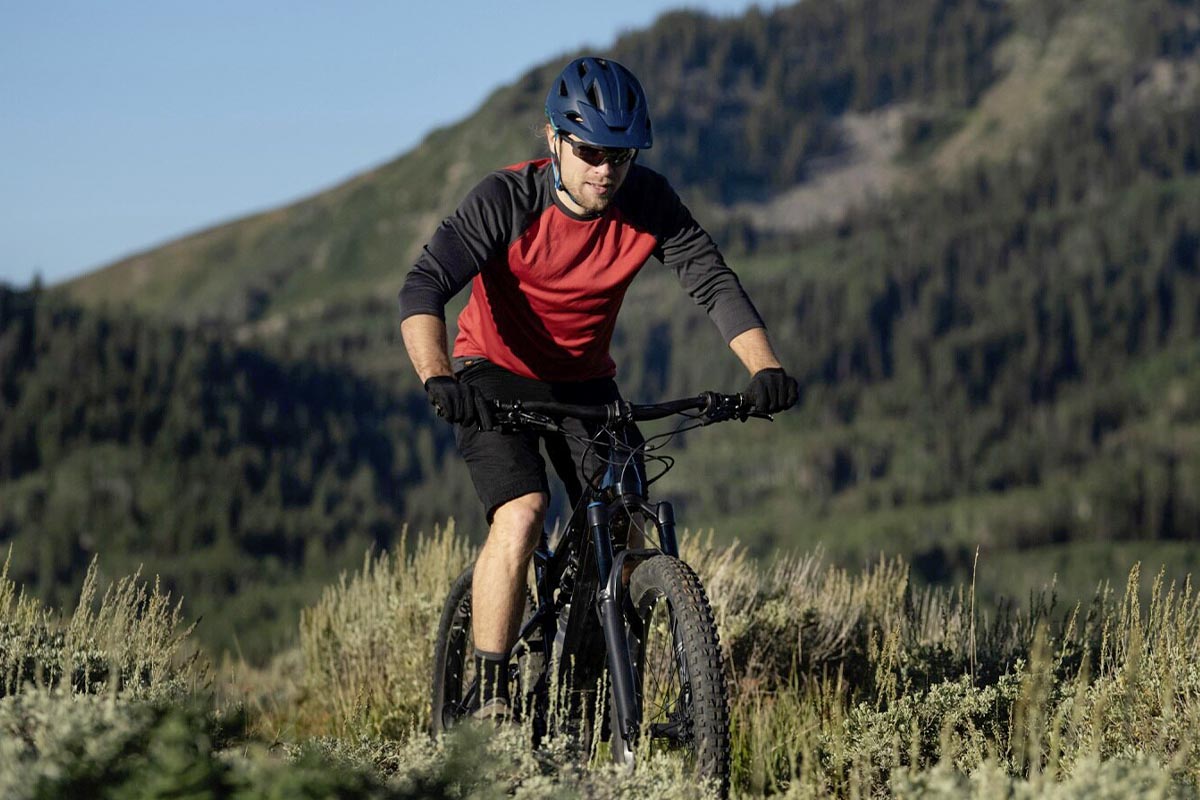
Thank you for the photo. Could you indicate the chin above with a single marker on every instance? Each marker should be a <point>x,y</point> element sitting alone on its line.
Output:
<point>592,204</point>
<point>597,204</point>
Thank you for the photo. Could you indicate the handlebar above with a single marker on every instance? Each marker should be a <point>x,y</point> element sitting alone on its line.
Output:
<point>713,406</point>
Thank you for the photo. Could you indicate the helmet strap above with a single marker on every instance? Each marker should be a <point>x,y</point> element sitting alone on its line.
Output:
<point>558,184</point>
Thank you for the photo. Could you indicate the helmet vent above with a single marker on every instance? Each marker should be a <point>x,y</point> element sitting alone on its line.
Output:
<point>562,89</point>
<point>594,97</point>
<point>574,117</point>
<point>582,69</point>
<point>630,98</point>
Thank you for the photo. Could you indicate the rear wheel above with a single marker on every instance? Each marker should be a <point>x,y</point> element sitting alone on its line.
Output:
<point>677,655</point>
<point>455,684</point>
<point>454,681</point>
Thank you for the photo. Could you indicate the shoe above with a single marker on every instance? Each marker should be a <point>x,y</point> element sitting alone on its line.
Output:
<point>496,710</point>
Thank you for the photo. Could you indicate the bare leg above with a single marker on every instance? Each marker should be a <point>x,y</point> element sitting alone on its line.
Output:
<point>498,589</point>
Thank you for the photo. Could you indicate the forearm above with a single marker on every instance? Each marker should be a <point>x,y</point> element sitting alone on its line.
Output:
<point>753,349</point>
<point>425,339</point>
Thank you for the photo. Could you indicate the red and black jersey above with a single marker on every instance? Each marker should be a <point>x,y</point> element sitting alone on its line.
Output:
<point>546,284</point>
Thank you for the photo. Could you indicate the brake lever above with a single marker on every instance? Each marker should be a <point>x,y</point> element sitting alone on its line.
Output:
<point>744,403</point>
<point>718,409</point>
<point>514,420</point>
<point>739,411</point>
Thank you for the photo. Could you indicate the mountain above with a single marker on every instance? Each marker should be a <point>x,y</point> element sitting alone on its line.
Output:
<point>973,227</point>
<point>745,109</point>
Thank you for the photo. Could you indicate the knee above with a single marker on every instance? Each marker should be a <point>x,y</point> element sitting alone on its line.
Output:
<point>518,523</point>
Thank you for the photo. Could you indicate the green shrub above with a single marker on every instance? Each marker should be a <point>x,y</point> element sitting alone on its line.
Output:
<point>58,744</point>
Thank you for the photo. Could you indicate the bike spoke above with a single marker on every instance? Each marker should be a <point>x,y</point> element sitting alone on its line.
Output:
<point>666,691</point>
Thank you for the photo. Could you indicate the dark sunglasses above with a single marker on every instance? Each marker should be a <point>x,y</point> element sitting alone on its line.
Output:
<point>594,156</point>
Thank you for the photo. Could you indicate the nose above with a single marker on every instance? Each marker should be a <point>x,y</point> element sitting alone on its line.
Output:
<point>604,169</point>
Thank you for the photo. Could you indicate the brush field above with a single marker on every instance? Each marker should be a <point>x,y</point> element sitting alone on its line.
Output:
<point>843,683</point>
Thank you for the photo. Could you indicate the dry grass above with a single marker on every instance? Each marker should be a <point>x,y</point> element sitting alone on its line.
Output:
<point>847,684</point>
<point>367,646</point>
<point>843,684</point>
<point>131,643</point>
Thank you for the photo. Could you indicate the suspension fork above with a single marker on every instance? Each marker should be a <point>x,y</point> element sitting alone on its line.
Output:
<point>609,602</point>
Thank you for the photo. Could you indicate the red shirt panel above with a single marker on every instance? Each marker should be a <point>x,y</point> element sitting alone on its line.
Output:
<point>550,313</point>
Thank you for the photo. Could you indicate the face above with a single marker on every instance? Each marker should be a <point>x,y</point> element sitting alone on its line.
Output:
<point>592,187</point>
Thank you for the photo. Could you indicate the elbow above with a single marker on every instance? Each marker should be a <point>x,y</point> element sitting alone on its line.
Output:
<point>416,299</point>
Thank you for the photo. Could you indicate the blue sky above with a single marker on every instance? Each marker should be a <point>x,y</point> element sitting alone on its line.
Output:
<point>126,124</point>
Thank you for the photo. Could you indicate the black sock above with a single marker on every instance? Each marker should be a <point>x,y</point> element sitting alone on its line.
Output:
<point>492,669</point>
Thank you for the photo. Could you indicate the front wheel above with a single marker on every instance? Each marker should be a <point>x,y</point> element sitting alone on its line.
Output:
<point>681,683</point>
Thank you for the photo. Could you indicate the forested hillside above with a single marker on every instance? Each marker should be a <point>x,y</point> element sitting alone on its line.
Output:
<point>1012,362</point>
<point>1002,352</point>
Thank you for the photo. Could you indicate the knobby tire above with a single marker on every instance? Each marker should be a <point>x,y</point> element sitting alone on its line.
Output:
<point>453,654</point>
<point>690,700</point>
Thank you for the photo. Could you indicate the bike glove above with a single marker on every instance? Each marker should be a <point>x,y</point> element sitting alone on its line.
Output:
<point>460,403</point>
<point>772,390</point>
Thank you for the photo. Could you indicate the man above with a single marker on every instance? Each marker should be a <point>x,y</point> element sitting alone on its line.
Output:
<point>549,247</point>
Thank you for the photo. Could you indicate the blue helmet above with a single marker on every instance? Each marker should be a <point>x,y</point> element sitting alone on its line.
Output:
<point>602,103</point>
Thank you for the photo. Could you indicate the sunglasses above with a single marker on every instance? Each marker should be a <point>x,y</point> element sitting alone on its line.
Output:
<point>594,156</point>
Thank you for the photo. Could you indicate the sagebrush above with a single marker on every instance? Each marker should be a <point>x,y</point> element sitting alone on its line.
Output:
<point>843,684</point>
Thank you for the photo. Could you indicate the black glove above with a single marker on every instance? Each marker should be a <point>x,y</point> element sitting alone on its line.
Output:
<point>460,403</point>
<point>772,390</point>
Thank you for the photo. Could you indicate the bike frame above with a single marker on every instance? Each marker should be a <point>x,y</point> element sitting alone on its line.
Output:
<point>583,573</point>
<point>588,542</point>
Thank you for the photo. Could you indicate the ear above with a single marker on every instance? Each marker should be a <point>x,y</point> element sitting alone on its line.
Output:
<point>549,136</point>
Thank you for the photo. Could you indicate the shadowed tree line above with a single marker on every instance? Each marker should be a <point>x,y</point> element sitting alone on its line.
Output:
<point>223,468</point>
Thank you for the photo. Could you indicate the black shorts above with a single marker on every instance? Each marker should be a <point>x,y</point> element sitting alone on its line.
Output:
<point>505,466</point>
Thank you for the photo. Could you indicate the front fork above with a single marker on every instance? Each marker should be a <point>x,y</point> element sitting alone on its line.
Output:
<point>611,601</point>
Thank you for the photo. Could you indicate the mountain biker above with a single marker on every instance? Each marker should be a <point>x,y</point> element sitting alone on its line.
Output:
<point>549,248</point>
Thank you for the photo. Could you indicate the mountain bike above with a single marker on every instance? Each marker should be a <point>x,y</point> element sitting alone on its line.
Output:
<point>649,647</point>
